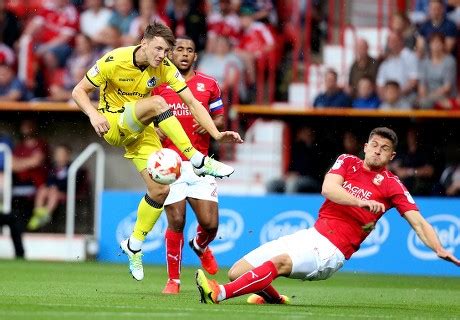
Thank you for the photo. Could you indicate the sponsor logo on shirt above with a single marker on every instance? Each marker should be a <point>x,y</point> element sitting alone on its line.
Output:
<point>285,223</point>
<point>231,226</point>
<point>109,58</point>
<point>154,239</point>
<point>358,192</point>
<point>134,93</point>
<point>447,227</point>
<point>338,163</point>
<point>94,71</point>
<point>180,109</point>
<point>126,79</point>
<point>374,240</point>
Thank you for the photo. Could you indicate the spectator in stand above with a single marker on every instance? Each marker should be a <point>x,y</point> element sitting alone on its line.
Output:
<point>414,166</point>
<point>30,170</point>
<point>225,66</point>
<point>400,66</point>
<point>82,58</point>
<point>438,74</point>
<point>94,18</point>
<point>121,19</point>
<point>255,41</point>
<point>147,14</point>
<point>47,37</point>
<point>454,14</point>
<point>189,18</point>
<point>11,88</point>
<point>224,21</point>
<point>304,166</point>
<point>109,39</point>
<point>49,194</point>
<point>363,66</point>
<point>10,27</point>
<point>333,96</point>
<point>450,180</point>
<point>391,97</point>
<point>351,144</point>
<point>4,138</point>
<point>437,22</point>
<point>366,97</point>
<point>401,24</point>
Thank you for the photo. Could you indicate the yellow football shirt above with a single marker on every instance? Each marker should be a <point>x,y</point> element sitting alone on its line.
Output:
<point>121,80</point>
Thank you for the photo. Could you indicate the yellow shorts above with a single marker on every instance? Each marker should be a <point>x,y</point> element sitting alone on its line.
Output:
<point>126,130</point>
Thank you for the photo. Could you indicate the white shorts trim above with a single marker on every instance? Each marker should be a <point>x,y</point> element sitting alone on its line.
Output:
<point>189,185</point>
<point>313,256</point>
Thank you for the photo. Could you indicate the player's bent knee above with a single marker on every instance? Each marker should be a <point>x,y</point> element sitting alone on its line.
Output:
<point>158,103</point>
<point>239,268</point>
<point>283,264</point>
<point>158,192</point>
<point>176,221</point>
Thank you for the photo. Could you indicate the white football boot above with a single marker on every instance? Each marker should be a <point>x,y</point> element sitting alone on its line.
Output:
<point>135,261</point>
<point>212,167</point>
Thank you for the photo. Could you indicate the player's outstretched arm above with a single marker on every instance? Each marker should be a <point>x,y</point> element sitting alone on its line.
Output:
<point>204,119</point>
<point>428,235</point>
<point>80,95</point>
<point>332,189</point>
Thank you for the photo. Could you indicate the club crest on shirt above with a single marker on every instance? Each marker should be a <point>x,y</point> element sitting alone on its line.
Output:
<point>152,82</point>
<point>377,179</point>
<point>200,87</point>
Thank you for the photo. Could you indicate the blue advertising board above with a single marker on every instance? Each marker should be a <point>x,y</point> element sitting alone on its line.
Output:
<point>247,222</point>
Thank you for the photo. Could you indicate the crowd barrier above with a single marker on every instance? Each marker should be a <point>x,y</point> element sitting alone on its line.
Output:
<point>246,222</point>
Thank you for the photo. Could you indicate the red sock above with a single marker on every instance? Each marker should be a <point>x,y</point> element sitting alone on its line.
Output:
<point>174,243</point>
<point>252,281</point>
<point>270,294</point>
<point>203,237</point>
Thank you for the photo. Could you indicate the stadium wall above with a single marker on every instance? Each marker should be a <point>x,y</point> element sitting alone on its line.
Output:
<point>246,222</point>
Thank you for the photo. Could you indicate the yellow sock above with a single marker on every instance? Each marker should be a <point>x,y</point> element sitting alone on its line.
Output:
<point>173,129</point>
<point>148,213</point>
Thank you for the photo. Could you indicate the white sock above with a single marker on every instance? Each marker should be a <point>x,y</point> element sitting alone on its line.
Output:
<point>197,159</point>
<point>134,244</point>
<point>222,294</point>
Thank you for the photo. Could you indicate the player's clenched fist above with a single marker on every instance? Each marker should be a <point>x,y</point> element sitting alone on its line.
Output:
<point>372,205</point>
<point>99,123</point>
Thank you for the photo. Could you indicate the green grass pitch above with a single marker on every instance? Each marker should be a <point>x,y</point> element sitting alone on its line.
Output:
<point>55,290</point>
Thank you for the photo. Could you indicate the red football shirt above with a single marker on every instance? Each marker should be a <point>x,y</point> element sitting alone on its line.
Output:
<point>207,91</point>
<point>347,226</point>
<point>57,21</point>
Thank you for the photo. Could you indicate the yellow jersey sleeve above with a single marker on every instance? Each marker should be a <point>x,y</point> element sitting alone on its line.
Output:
<point>172,76</point>
<point>102,70</point>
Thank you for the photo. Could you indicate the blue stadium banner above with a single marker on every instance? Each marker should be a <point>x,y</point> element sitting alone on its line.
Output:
<point>247,222</point>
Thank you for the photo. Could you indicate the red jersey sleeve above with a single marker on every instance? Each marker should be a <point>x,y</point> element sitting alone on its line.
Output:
<point>400,197</point>
<point>341,164</point>
<point>216,105</point>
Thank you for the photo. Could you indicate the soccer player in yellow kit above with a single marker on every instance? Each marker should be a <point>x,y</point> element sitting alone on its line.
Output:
<point>127,113</point>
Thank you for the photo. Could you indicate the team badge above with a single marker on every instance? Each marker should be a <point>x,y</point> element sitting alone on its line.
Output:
<point>200,87</point>
<point>377,179</point>
<point>152,82</point>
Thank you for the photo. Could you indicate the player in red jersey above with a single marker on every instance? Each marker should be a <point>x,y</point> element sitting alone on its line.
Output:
<point>200,192</point>
<point>358,192</point>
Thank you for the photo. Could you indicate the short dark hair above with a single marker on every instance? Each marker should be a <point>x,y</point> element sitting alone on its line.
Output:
<point>186,37</point>
<point>386,133</point>
<point>157,29</point>
<point>392,83</point>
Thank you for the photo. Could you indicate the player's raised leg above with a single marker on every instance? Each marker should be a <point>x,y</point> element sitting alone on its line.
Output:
<point>208,219</point>
<point>148,212</point>
<point>157,110</point>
